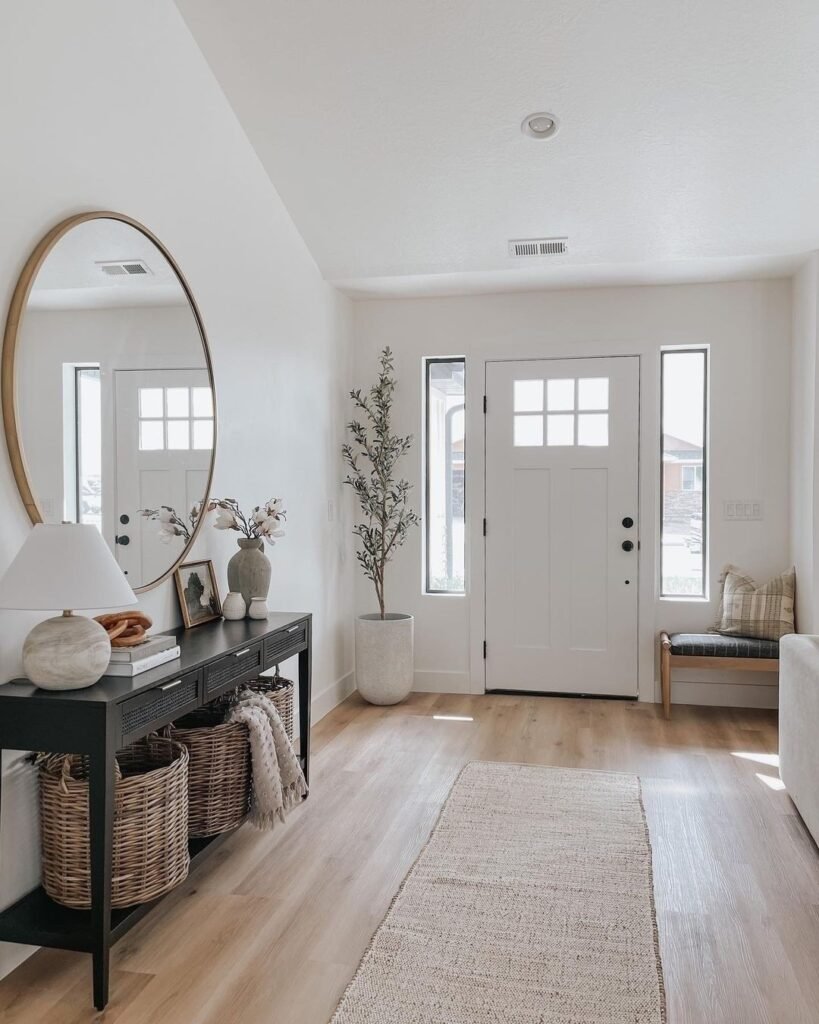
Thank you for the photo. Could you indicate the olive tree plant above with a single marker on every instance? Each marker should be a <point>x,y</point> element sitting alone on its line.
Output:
<point>372,456</point>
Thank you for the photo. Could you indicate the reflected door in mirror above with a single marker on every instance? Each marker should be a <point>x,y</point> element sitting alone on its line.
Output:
<point>164,424</point>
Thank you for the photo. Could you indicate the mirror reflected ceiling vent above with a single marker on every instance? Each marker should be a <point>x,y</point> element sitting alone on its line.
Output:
<point>120,268</point>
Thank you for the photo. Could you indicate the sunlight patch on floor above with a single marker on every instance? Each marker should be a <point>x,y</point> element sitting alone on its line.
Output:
<point>771,781</point>
<point>769,759</point>
<point>453,718</point>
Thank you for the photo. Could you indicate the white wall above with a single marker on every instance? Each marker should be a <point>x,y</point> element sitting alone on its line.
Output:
<point>746,325</point>
<point>804,428</point>
<point>112,106</point>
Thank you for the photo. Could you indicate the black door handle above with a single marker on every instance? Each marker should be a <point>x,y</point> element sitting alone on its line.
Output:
<point>627,545</point>
<point>124,540</point>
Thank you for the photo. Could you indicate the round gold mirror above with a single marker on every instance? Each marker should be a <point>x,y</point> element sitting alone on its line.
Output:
<point>108,397</point>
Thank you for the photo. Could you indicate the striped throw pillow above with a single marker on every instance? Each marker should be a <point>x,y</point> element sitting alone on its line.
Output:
<point>746,609</point>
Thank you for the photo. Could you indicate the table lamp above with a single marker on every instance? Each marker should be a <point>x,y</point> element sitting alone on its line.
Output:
<point>66,566</point>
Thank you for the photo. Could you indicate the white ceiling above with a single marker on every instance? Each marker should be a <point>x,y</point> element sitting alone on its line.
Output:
<point>688,147</point>
<point>70,276</point>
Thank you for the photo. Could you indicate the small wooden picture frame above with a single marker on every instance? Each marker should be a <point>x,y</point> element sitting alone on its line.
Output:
<point>198,593</point>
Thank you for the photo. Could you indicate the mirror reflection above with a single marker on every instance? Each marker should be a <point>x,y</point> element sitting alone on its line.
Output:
<point>114,396</point>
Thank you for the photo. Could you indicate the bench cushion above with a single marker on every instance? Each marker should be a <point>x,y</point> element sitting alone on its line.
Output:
<point>712,645</point>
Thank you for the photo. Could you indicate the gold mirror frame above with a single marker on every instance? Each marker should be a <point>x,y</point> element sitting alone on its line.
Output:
<point>8,383</point>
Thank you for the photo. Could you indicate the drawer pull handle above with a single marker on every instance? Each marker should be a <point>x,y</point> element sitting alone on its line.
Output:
<point>170,686</point>
<point>294,629</point>
<point>241,654</point>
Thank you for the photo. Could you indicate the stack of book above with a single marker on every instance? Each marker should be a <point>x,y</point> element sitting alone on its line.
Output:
<point>155,651</point>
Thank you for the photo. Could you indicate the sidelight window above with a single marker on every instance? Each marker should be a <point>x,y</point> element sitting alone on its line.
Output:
<point>684,472</point>
<point>444,456</point>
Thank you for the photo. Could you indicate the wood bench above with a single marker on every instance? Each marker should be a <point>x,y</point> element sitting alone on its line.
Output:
<point>712,650</point>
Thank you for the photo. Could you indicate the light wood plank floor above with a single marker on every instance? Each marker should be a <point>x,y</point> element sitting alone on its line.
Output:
<point>272,927</point>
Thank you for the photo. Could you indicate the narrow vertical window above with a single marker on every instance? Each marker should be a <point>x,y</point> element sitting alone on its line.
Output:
<point>684,477</point>
<point>444,469</point>
<point>88,438</point>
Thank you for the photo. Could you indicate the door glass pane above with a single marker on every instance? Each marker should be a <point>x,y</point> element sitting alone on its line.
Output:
<point>202,402</point>
<point>593,429</point>
<point>202,434</point>
<point>528,431</point>
<point>528,396</point>
<point>151,435</point>
<point>593,393</point>
<point>560,429</point>
<point>150,402</point>
<point>178,400</point>
<point>178,435</point>
<point>560,395</point>
<point>684,474</point>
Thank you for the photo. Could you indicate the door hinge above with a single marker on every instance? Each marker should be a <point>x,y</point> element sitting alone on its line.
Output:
<point>484,405</point>
<point>484,650</point>
<point>484,526</point>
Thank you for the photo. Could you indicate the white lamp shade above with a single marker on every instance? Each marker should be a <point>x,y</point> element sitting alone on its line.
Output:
<point>64,566</point>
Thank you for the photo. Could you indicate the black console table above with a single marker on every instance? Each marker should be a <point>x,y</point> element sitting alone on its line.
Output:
<point>117,710</point>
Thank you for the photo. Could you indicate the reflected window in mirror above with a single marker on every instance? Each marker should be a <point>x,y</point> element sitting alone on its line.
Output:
<point>88,445</point>
<point>176,419</point>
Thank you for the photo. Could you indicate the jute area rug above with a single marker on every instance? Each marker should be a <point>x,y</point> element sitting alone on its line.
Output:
<point>532,903</point>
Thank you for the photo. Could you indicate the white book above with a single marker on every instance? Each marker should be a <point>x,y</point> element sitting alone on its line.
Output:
<point>133,668</point>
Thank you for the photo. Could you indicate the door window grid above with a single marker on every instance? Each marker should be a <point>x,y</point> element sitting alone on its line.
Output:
<point>175,419</point>
<point>575,411</point>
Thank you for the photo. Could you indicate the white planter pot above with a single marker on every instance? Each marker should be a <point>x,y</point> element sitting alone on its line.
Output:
<point>384,657</point>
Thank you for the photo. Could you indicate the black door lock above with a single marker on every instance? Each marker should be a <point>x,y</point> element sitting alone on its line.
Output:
<point>628,522</point>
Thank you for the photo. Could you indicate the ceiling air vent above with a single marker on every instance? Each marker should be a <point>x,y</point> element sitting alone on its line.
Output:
<point>124,268</point>
<point>538,246</point>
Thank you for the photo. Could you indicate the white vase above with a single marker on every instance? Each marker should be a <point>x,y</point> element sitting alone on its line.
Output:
<point>384,657</point>
<point>258,608</point>
<point>234,606</point>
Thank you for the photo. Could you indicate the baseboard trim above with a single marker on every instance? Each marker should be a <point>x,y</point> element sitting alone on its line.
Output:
<point>441,682</point>
<point>331,696</point>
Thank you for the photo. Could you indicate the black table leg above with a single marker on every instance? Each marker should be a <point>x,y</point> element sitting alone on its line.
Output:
<point>101,811</point>
<point>305,688</point>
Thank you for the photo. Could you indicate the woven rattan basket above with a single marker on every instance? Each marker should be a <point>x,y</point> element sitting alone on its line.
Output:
<point>218,772</point>
<point>150,840</point>
<point>279,692</point>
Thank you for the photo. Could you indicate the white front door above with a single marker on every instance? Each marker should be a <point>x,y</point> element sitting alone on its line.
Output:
<point>164,429</point>
<point>561,525</point>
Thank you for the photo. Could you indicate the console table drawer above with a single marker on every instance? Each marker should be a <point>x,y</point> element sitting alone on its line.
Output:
<point>232,669</point>
<point>158,706</point>
<point>284,643</point>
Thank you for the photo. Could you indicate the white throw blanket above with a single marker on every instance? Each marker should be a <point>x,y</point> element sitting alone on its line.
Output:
<point>278,781</point>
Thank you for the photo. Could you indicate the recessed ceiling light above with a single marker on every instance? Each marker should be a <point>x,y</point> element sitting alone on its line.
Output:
<point>540,126</point>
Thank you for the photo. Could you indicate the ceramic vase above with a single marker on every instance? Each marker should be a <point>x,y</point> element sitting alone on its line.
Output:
<point>234,606</point>
<point>258,608</point>
<point>384,657</point>
<point>248,571</point>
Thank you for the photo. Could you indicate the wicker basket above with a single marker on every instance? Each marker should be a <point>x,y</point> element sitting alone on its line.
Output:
<point>279,692</point>
<point>218,772</point>
<point>150,838</point>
